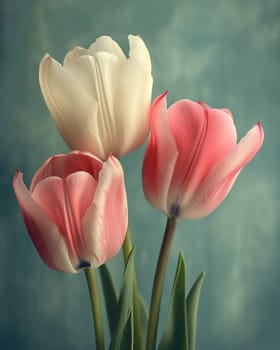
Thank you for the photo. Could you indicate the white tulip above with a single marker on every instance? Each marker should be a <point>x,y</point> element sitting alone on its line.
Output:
<point>99,99</point>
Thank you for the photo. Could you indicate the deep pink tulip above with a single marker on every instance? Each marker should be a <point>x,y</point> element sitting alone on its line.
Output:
<point>75,210</point>
<point>192,157</point>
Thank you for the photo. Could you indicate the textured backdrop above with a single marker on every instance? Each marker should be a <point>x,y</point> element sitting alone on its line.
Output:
<point>224,52</point>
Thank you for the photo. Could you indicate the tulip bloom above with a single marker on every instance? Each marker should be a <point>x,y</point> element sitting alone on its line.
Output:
<point>98,98</point>
<point>192,157</point>
<point>75,210</point>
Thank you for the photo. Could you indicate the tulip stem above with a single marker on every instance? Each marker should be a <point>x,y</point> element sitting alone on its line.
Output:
<point>95,306</point>
<point>138,337</point>
<point>158,283</point>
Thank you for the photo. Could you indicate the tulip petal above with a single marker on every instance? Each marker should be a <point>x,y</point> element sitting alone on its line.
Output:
<point>73,109</point>
<point>203,137</point>
<point>139,52</point>
<point>45,235</point>
<point>133,97</point>
<point>160,157</point>
<point>106,44</point>
<point>105,222</point>
<point>62,165</point>
<point>100,76</point>
<point>73,54</point>
<point>97,74</point>
<point>99,97</point>
<point>219,182</point>
<point>65,201</point>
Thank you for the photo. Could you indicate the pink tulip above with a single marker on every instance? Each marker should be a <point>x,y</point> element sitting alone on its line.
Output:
<point>75,210</point>
<point>192,158</point>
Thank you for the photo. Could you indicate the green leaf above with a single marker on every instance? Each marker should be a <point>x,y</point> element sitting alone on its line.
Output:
<point>124,304</point>
<point>143,315</point>
<point>110,296</point>
<point>127,336</point>
<point>192,309</point>
<point>175,332</point>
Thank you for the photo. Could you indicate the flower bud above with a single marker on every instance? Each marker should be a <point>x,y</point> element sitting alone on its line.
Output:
<point>192,157</point>
<point>75,211</point>
<point>98,98</point>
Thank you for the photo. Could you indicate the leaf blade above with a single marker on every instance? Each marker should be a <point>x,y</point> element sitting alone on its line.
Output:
<point>110,296</point>
<point>175,332</point>
<point>192,303</point>
<point>127,337</point>
<point>125,304</point>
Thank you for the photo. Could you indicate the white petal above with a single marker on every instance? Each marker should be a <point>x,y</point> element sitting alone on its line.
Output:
<point>139,52</point>
<point>98,76</point>
<point>106,44</point>
<point>74,54</point>
<point>133,96</point>
<point>73,109</point>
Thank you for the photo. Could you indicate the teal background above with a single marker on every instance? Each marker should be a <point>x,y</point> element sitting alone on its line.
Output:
<point>222,51</point>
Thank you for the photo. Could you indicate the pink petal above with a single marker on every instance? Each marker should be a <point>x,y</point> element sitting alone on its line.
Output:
<point>203,137</point>
<point>65,201</point>
<point>219,182</point>
<point>160,156</point>
<point>45,235</point>
<point>205,106</point>
<point>62,165</point>
<point>105,222</point>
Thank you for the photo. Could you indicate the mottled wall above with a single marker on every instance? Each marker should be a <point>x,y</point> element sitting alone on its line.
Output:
<point>221,51</point>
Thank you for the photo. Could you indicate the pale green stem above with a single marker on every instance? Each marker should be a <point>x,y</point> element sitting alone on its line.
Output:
<point>95,307</point>
<point>138,337</point>
<point>158,283</point>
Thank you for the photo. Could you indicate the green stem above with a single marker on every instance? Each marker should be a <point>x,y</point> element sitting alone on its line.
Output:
<point>158,283</point>
<point>138,337</point>
<point>95,307</point>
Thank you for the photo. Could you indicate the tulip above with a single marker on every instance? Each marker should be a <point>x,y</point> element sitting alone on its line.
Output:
<point>75,211</point>
<point>192,157</point>
<point>98,98</point>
